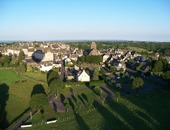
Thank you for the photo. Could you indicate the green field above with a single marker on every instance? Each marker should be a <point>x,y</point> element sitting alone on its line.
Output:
<point>144,112</point>
<point>37,75</point>
<point>16,97</point>
<point>8,76</point>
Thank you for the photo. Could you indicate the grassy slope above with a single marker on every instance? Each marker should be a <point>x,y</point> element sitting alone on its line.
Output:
<point>144,112</point>
<point>147,111</point>
<point>19,94</point>
<point>8,76</point>
<point>37,75</point>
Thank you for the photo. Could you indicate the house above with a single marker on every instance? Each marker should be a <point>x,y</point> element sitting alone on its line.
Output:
<point>48,56</point>
<point>46,68</point>
<point>120,65</point>
<point>167,58</point>
<point>83,77</point>
<point>94,50</point>
<point>105,57</point>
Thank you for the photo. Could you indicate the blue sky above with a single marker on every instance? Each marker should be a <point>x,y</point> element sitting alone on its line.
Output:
<point>85,20</point>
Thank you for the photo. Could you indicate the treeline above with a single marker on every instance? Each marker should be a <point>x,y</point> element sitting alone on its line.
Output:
<point>14,61</point>
<point>160,47</point>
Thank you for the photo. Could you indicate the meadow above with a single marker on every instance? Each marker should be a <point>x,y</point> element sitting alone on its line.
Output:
<point>16,97</point>
<point>149,110</point>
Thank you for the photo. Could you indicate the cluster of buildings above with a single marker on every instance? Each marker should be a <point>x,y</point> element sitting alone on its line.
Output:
<point>52,54</point>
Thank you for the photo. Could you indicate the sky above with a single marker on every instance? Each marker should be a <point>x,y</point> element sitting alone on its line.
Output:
<point>34,20</point>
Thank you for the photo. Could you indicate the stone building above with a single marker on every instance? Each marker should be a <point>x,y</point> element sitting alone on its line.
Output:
<point>94,50</point>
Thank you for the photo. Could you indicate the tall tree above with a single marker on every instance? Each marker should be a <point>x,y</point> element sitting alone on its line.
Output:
<point>137,83</point>
<point>52,74</point>
<point>21,56</point>
<point>38,101</point>
<point>113,69</point>
<point>102,71</point>
<point>158,66</point>
<point>56,85</point>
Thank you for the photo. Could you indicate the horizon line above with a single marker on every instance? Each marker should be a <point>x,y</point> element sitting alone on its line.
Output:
<point>77,40</point>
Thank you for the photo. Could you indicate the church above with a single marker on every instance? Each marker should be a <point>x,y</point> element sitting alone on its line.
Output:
<point>94,50</point>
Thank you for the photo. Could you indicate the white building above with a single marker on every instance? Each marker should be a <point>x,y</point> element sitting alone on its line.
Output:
<point>84,77</point>
<point>46,68</point>
<point>105,57</point>
<point>121,65</point>
<point>11,51</point>
<point>48,57</point>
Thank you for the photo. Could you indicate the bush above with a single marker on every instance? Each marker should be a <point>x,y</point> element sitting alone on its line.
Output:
<point>118,85</point>
<point>112,82</point>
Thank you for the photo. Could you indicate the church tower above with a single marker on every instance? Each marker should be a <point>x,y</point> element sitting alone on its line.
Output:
<point>93,45</point>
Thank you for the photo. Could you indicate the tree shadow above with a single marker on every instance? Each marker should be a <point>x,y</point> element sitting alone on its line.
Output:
<point>48,75</point>
<point>38,89</point>
<point>15,119</point>
<point>91,87</point>
<point>62,98</point>
<point>55,106</point>
<point>84,97</point>
<point>108,118</point>
<point>81,124</point>
<point>81,99</point>
<point>75,100</point>
<point>4,96</point>
<point>71,104</point>
<point>140,112</point>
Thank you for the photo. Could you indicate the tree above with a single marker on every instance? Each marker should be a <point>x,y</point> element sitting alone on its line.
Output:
<point>167,52</point>
<point>96,74</point>
<point>94,59</point>
<point>121,70</point>
<point>21,68</point>
<point>158,66</point>
<point>14,62</point>
<point>132,78</point>
<point>52,74</point>
<point>118,85</point>
<point>138,68</point>
<point>66,104</point>
<point>38,101</point>
<point>166,75</point>
<point>102,71</point>
<point>165,64</point>
<point>126,75</point>
<point>81,59</point>
<point>137,83</point>
<point>56,85</point>
<point>21,56</point>
<point>117,95</point>
<point>5,60</point>
<point>113,69</point>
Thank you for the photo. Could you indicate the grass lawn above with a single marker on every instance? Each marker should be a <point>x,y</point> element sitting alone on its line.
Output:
<point>8,76</point>
<point>144,112</point>
<point>37,75</point>
<point>17,96</point>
